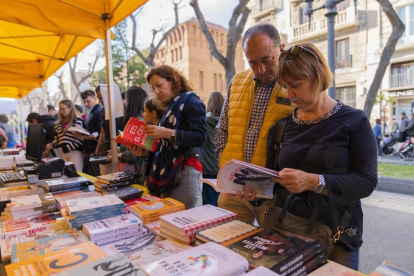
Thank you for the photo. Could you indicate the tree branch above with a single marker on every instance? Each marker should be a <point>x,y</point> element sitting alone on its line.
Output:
<point>398,29</point>
<point>207,34</point>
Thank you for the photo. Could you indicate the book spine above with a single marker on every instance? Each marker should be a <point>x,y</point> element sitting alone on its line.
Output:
<point>190,230</point>
<point>297,259</point>
<point>111,240</point>
<point>109,236</point>
<point>309,266</point>
<point>96,210</point>
<point>69,190</point>
<point>117,185</point>
<point>94,217</point>
<point>106,231</point>
<point>67,186</point>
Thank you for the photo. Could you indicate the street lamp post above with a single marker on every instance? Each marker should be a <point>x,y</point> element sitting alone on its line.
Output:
<point>330,5</point>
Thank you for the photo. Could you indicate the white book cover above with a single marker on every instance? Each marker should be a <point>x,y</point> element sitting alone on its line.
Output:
<point>80,130</point>
<point>334,269</point>
<point>30,202</point>
<point>112,225</point>
<point>206,259</point>
<point>145,249</point>
<point>83,204</point>
<point>191,220</point>
<point>235,174</point>
<point>261,271</point>
<point>225,231</point>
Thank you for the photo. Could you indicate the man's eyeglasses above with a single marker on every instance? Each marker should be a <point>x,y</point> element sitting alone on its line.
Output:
<point>293,52</point>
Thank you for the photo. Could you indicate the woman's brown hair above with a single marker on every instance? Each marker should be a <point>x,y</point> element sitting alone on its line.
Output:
<point>71,117</point>
<point>215,103</point>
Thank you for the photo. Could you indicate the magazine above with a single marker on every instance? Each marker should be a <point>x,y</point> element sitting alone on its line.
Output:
<point>134,133</point>
<point>235,174</point>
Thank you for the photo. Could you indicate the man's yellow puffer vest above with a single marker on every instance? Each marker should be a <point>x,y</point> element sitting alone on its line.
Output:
<point>240,109</point>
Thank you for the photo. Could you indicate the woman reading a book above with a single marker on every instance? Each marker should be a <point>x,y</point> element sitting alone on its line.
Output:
<point>64,138</point>
<point>328,155</point>
<point>182,131</point>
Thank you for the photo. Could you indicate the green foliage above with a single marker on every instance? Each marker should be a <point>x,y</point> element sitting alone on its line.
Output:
<point>392,170</point>
<point>128,69</point>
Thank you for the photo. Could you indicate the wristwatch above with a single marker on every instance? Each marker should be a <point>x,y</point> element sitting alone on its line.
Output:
<point>173,137</point>
<point>321,187</point>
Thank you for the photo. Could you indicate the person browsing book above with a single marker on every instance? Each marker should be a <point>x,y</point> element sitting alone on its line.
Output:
<point>182,131</point>
<point>328,155</point>
<point>64,138</point>
<point>257,102</point>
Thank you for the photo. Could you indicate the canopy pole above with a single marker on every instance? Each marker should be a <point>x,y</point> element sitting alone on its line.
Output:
<point>111,106</point>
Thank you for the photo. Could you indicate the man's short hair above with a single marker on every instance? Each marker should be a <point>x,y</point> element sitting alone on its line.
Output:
<point>87,93</point>
<point>50,107</point>
<point>403,113</point>
<point>266,29</point>
<point>3,118</point>
<point>33,116</point>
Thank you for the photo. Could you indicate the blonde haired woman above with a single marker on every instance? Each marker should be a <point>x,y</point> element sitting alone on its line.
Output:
<point>70,145</point>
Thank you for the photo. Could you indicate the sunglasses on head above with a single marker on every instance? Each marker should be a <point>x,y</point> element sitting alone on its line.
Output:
<point>293,52</point>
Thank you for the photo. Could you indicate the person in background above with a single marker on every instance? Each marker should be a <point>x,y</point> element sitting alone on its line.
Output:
<point>182,132</point>
<point>48,122</point>
<point>3,139</point>
<point>93,125</point>
<point>8,129</point>
<point>257,102</point>
<point>207,156</point>
<point>408,131</point>
<point>328,155</point>
<point>80,113</point>
<point>378,135</point>
<point>52,111</point>
<point>395,128</point>
<point>64,139</point>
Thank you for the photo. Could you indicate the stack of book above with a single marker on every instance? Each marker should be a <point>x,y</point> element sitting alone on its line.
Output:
<point>84,210</point>
<point>206,259</point>
<point>27,206</point>
<point>64,185</point>
<point>7,244</point>
<point>224,232</point>
<point>283,252</point>
<point>6,194</point>
<point>113,181</point>
<point>126,193</point>
<point>113,229</point>
<point>31,225</point>
<point>182,226</point>
<point>57,261</point>
<point>27,250</point>
<point>152,210</point>
<point>61,198</point>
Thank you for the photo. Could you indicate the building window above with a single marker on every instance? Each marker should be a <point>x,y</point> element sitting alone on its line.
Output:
<point>201,80</point>
<point>406,14</point>
<point>342,5</point>
<point>221,82</point>
<point>402,74</point>
<point>176,54</point>
<point>215,82</point>
<point>342,57</point>
<point>181,53</point>
<point>303,18</point>
<point>347,95</point>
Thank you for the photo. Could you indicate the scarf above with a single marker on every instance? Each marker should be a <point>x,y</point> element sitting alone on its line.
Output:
<point>168,156</point>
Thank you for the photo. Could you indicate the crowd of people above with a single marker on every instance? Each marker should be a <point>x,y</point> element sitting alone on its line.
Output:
<point>328,157</point>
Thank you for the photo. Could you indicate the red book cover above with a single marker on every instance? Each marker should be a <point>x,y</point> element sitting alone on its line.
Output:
<point>134,133</point>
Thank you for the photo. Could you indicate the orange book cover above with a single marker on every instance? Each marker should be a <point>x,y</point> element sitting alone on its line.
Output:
<point>157,207</point>
<point>134,133</point>
<point>58,261</point>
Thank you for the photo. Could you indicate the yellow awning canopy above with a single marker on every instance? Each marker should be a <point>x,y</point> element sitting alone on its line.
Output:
<point>29,56</point>
<point>75,17</point>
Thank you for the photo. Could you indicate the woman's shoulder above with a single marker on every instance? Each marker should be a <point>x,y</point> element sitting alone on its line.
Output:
<point>351,116</point>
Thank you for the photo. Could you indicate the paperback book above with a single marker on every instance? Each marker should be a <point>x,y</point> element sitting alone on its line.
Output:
<point>388,269</point>
<point>334,269</point>
<point>134,133</point>
<point>152,210</point>
<point>67,183</point>
<point>30,249</point>
<point>80,130</point>
<point>76,222</point>
<point>235,174</point>
<point>125,193</point>
<point>114,186</point>
<point>278,250</point>
<point>30,202</point>
<point>6,194</point>
<point>116,264</point>
<point>114,177</point>
<point>61,198</point>
<point>261,271</point>
<point>57,261</point>
<point>225,231</point>
<point>85,205</point>
<point>206,259</point>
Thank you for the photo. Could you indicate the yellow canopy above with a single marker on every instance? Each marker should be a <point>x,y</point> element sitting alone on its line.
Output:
<point>75,17</point>
<point>29,56</point>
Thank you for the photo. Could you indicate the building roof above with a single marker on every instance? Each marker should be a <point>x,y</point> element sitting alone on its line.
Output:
<point>209,24</point>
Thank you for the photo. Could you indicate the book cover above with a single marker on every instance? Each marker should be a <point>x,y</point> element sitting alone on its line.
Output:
<point>112,225</point>
<point>335,269</point>
<point>189,221</point>
<point>81,205</point>
<point>225,231</point>
<point>103,241</point>
<point>61,198</point>
<point>26,250</point>
<point>154,227</point>
<point>388,269</point>
<point>82,189</point>
<point>125,193</point>
<point>120,140</point>
<point>57,261</point>
<point>235,174</point>
<point>275,249</point>
<point>142,199</point>
<point>145,249</point>
<point>80,130</point>
<point>156,207</point>
<point>115,185</point>
<point>20,215</point>
<point>116,264</point>
<point>30,225</point>
<point>30,202</point>
<point>206,259</point>
<point>114,177</point>
<point>134,133</point>
<point>68,182</point>
<point>7,244</point>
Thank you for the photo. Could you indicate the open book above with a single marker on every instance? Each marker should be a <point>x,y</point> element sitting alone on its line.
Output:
<point>79,129</point>
<point>134,133</point>
<point>235,174</point>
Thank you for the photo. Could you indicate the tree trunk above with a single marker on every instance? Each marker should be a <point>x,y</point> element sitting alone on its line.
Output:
<point>398,29</point>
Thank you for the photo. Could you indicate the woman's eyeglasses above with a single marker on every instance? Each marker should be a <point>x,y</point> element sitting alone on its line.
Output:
<point>293,52</point>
